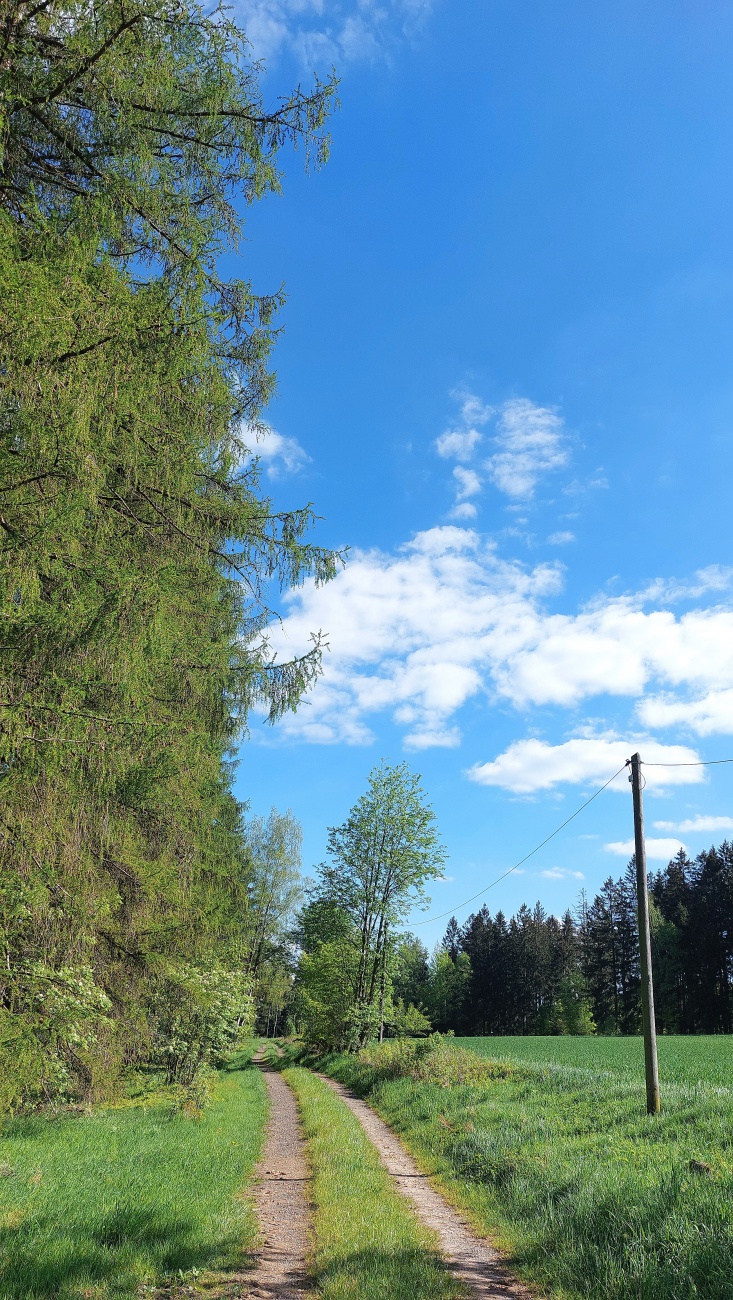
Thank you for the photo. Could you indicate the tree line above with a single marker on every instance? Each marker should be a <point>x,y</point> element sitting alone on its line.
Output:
<point>138,551</point>
<point>350,972</point>
<point>536,974</point>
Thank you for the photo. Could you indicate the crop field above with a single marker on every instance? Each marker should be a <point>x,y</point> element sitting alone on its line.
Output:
<point>705,1059</point>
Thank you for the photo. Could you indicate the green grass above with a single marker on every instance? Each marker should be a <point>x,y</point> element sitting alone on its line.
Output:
<point>368,1243</point>
<point>96,1206</point>
<point>706,1059</point>
<point>588,1195</point>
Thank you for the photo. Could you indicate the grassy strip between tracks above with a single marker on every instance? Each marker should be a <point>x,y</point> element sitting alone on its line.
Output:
<point>130,1198</point>
<point>369,1244</point>
<point>588,1196</point>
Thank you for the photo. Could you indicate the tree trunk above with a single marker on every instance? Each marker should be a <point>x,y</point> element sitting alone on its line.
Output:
<point>383,985</point>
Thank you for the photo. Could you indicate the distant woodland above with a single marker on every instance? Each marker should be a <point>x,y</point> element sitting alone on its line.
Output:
<point>537,974</point>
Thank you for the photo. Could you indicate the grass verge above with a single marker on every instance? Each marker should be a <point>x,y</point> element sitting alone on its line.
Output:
<point>129,1198</point>
<point>588,1195</point>
<point>369,1244</point>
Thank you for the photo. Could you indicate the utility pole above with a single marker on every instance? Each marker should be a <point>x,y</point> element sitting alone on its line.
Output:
<point>645,947</point>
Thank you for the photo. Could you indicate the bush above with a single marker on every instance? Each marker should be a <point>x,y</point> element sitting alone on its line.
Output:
<point>433,1060</point>
<point>48,1039</point>
<point>409,1021</point>
<point>198,1014</point>
<point>193,1097</point>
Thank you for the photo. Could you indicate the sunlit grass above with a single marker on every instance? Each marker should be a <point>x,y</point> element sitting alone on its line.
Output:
<point>96,1206</point>
<point>368,1242</point>
<point>590,1197</point>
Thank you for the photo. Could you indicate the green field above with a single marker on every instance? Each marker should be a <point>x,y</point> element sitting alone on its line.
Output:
<point>707,1059</point>
<point>126,1198</point>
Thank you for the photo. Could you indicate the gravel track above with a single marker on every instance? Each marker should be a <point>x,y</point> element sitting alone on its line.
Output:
<point>281,1204</point>
<point>470,1258</point>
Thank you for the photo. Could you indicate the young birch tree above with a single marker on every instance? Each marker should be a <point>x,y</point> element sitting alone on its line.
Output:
<point>381,858</point>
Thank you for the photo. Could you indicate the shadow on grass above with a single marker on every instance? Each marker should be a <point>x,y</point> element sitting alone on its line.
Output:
<point>375,1274</point>
<point>237,1062</point>
<point>47,1258</point>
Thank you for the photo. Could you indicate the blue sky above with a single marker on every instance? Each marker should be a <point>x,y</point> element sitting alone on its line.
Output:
<point>505,383</point>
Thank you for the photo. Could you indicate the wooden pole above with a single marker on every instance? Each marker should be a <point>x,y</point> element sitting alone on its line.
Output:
<point>653,1103</point>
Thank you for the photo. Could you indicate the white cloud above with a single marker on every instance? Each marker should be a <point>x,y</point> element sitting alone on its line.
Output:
<point>715,577</point>
<point>559,873</point>
<point>530,765</point>
<point>531,441</point>
<point>616,646</point>
<point>708,715</point>
<point>279,454</point>
<point>464,510</point>
<point>468,481</point>
<point>697,825</point>
<point>659,850</point>
<point>459,443</point>
<point>561,538</point>
<point>321,32</point>
<point>418,633</point>
<point>408,633</point>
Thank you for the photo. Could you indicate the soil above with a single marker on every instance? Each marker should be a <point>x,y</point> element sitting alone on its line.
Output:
<point>281,1203</point>
<point>470,1258</point>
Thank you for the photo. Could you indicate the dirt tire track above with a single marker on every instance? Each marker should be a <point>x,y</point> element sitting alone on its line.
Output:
<point>281,1204</point>
<point>469,1258</point>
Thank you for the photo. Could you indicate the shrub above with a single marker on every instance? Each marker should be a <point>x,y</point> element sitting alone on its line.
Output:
<point>433,1060</point>
<point>199,1013</point>
<point>47,1047</point>
<point>409,1021</point>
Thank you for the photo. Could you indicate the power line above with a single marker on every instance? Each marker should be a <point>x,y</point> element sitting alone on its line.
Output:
<point>710,762</point>
<point>485,890</point>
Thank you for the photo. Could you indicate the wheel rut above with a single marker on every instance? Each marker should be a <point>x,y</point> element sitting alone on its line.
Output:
<point>281,1202</point>
<point>470,1258</point>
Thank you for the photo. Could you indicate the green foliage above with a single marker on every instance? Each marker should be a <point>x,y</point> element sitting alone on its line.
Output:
<point>381,858</point>
<point>435,1058</point>
<point>152,115</point>
<point>537,974</point>
<point>138,553</point>
<point>408,1021</point>
<point>110,1203</point>
<point>692,942</point>
<point>409,968</point>
<point>274,849</point>
<point>65,1016</point>
<point>574,1007</point>
<point>449,981</point>
<point>326,1010</point>
<point>369,1242</point>
<point>197,1014</point>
